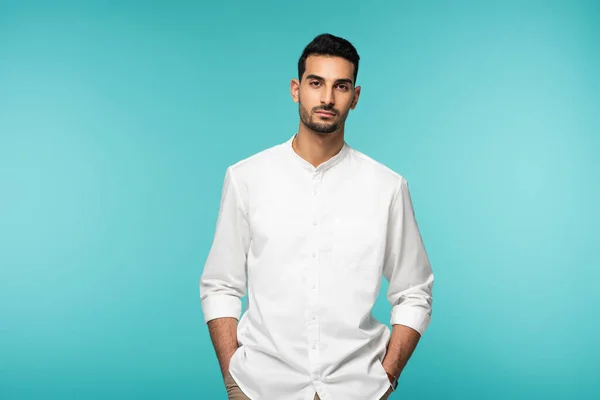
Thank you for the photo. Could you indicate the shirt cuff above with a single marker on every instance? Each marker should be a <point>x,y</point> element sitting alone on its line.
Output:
<point>413,317</point>
<point>219,306</point>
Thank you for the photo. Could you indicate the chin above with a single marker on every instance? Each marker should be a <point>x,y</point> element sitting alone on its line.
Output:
<point>327,132</point>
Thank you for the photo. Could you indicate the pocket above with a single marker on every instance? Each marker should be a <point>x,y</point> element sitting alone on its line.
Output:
<point>230,384</point>
<point>233,389</point>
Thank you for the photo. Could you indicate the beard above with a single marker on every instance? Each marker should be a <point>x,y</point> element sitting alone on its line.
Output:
<point>320,127</point>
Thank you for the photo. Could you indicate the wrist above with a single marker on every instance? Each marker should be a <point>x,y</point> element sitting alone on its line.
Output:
<point>393,380</point>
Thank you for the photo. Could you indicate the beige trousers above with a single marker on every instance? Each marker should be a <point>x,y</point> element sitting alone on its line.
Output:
<point>235,393</point>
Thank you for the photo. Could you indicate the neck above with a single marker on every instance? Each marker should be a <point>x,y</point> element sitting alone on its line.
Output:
<point>317,148</point>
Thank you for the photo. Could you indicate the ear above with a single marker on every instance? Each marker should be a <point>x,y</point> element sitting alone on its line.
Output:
<point>295,89</point>
<point>355,98</point>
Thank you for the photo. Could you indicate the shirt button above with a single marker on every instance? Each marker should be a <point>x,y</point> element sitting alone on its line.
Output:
<point>314,255</point>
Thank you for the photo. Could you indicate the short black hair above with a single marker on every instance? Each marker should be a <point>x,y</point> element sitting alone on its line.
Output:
<point>329,45</point>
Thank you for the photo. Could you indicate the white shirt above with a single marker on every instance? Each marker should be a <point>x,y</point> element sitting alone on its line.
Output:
<point>312,244</point>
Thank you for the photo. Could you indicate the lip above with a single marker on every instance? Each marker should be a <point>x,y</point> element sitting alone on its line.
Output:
<point>325,113</point>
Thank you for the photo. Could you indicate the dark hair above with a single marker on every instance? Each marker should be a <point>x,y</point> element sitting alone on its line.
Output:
<point>329,45</point>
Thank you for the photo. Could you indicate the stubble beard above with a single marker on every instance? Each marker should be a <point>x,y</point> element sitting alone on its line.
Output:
<point>322,128</point>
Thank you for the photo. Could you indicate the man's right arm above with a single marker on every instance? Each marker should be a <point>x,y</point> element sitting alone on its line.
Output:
<point>223,280</point>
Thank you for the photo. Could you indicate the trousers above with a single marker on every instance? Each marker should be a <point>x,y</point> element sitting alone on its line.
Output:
<point>235,393</point>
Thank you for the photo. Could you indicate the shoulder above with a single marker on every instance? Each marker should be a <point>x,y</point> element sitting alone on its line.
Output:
<point>257,169</point>
<point>258,162</point>
<point>378,171</point>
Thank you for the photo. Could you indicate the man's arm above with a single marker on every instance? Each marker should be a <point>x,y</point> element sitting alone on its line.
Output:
<point>410,278</point>
<point>223,333</point>
<point>223,280</point>
<point>401,346</point>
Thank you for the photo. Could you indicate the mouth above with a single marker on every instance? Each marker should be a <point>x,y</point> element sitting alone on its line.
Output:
<point>325,113</point>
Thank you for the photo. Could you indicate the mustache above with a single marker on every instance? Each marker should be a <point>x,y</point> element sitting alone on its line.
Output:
<point>326,108</point>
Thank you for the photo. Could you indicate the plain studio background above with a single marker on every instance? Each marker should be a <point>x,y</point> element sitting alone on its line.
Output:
<point>118,119</point>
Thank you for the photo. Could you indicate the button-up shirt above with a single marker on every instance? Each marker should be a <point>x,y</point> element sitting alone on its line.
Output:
<point>309,246</point>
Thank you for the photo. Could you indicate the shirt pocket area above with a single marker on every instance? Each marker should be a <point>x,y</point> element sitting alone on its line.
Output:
<point>357,244</point>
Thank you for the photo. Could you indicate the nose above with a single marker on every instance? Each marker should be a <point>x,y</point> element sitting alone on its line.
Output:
<point>327,96</point>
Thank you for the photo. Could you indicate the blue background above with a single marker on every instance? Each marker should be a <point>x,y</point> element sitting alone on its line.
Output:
<point>118,120</point>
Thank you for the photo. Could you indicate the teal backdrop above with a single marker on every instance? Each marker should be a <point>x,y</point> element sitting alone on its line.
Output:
<point>118,120</point>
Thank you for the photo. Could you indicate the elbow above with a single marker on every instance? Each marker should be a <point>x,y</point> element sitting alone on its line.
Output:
<point>220,299</point>
<point>413,306</point>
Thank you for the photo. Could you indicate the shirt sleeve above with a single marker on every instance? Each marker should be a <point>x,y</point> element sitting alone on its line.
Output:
<point>406,265</point>
<point>223,280</point>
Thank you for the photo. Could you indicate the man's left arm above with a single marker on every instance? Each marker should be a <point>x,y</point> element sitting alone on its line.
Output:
<point>410,277</point>
<point>401,346</point>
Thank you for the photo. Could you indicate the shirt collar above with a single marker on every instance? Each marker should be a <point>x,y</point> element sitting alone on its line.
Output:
<point>324,165</point>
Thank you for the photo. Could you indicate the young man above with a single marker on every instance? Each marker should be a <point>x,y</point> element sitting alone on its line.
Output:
<point>310,226</point>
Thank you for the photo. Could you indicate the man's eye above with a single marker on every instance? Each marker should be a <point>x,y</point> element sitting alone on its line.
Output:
<point>315,83</point>
<point>343,87</point>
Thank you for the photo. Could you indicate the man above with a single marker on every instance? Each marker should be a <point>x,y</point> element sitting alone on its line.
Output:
<point>310,226</point>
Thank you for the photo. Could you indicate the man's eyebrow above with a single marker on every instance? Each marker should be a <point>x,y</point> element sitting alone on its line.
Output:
<point>319,78</point>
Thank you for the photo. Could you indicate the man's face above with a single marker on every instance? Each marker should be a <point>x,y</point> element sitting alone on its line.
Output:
<point>326,93</point>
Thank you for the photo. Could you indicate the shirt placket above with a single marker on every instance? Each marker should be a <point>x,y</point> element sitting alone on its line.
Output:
<point>312,311</point>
